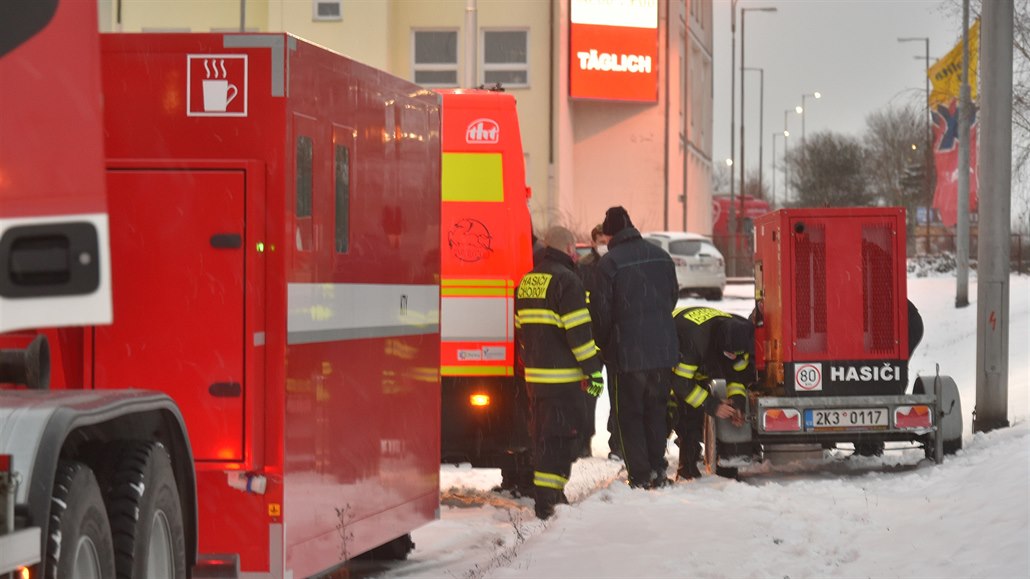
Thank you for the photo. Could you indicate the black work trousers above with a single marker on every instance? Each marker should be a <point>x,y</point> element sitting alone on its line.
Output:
<point>640,409</point>
<point>556,425</point>
<point>689,426</point>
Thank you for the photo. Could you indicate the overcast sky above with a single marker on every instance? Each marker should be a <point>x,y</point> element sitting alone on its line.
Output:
<point>848,50</point>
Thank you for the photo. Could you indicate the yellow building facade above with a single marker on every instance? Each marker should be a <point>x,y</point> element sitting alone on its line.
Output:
<point>651,154</point>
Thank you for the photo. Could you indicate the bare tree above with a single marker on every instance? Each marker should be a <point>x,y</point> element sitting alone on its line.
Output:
<point>830,171</point>
<point>894,141</point>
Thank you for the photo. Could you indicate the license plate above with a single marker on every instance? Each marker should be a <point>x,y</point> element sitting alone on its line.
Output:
<point>845,418</point>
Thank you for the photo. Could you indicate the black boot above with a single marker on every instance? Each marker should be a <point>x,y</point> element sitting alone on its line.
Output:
<point>690,454</point>
<point>545,501</point>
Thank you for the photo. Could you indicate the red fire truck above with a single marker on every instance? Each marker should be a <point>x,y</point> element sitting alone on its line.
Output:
<point>832,341</point>
<point>486,244</point>
<point>267,396</point>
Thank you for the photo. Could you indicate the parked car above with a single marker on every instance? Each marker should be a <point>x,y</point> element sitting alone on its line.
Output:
<point>700,267</point>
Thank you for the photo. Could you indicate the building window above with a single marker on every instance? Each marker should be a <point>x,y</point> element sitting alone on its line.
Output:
<point>506,57</point>
<point>435,58</point>
<point>327,10</point>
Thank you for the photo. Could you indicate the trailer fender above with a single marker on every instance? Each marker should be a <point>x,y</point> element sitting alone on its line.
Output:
<point>949,409</point>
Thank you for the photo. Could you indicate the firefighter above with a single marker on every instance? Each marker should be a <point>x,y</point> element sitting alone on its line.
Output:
<point>636,291</point>
<point>557,347</point>
<point>712,344</point>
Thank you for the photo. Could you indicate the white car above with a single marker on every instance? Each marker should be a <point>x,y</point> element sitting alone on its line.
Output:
<point>700,267</point>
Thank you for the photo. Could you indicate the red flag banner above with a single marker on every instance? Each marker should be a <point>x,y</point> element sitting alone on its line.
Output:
<point>945,141</point>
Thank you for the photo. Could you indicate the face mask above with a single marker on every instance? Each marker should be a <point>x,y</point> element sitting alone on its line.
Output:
<point>602,249</point>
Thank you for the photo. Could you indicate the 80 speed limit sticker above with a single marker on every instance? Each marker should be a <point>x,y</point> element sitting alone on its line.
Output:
<point>808,376</point>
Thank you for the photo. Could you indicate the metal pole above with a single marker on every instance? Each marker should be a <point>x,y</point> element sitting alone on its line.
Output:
<point>786,162</point>
<point>733,204</point>
<point>774,135</point>
<point>471,34</point>
<point>995,158</point>
<point>732,247</point>
<point>964,110</point>
<point>928,152</point>
<point>761,123</point>
<point>243,15</point>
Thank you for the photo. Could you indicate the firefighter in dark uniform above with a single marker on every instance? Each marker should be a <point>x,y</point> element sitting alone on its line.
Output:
<point>712,344</point>
<point>557,347</point>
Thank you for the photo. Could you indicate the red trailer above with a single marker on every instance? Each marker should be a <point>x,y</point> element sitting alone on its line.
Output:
<point>275,226</point>
<point>832,341</point>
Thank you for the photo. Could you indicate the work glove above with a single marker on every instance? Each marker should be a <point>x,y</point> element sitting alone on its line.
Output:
<point>596,384</point>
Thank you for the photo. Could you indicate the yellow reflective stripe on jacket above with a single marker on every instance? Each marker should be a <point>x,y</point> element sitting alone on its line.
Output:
<point>576,318</point>
<point>735,389</point>
<point>697,396</point>
<point>740,364</point>
<point>538,316</point>
<point>554,375</point>
<point>685,370</point>
<point>585,351</point>
<point>549,480</point>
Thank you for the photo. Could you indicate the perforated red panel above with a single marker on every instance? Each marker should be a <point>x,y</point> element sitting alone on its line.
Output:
<point>879,301</point>
<point>810,290</point>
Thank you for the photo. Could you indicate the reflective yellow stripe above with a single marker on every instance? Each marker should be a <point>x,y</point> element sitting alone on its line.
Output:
<point>697,396</point>
<point>476,291</point>
<point>538,316</point>
<point>735,389</point>
<point>549,480</point>
<point>585,351</point>
<point>476,282</point>
<point>576,318</point>
<point>471,177</point>
<point>741,363</point>
<point>685,370</point>
<point>554,375</point>
<point>477,370</point>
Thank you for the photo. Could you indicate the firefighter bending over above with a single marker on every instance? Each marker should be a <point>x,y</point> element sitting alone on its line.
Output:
<point>557,348</point>
<point>712,344</point>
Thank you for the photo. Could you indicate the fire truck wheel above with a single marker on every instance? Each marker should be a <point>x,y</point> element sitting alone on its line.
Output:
<point>79,544</point>
<point>146,518</point>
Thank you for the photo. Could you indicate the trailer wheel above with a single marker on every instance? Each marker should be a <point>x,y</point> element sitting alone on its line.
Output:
<point>79,541</point>
<point>950,420</point>
<point>146,517</point>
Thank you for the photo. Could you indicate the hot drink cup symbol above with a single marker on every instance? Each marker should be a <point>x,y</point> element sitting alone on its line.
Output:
<point>218,93</point>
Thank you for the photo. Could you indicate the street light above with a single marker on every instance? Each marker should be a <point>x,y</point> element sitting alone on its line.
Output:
<point>928,151</point>
<point>733,209</point>
<point>817,95</point>
<point>775,134</point>
<point>761,123</point>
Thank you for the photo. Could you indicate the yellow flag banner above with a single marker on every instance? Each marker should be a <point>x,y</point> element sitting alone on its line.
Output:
<point>945,74</point>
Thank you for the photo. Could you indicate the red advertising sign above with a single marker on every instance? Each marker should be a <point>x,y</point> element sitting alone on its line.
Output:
<point>613,50</point>
<point>945,140</point>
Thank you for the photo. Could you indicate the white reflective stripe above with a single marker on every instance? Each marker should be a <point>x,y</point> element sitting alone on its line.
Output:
<point>328,312</point>
<point>65,311</point>
<point>538,316</point>
<point>576,318</point>
<point>585,351</point>
<point>685,370</point>
<point>697,396</point>
<point>554,375</point>
<point>465,319</point>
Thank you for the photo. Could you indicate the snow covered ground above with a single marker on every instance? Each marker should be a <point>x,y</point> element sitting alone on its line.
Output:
<point>835,516</point>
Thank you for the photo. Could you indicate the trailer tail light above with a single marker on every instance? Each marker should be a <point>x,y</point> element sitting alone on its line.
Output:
<point>781,420</point>
<point>479,400</point>
<point>912,417</point>
<point>5,462</point>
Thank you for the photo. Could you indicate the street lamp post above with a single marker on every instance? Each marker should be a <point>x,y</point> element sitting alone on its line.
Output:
<point>761,123</point>
<point>774,135</point>
<point>733,209</point>
<point>928,150</point>
<point>817,95</point>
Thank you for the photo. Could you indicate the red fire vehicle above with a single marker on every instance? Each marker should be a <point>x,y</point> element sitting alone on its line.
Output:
<point>832,343</point>
<point>274,231</point>
<point>486,245</point>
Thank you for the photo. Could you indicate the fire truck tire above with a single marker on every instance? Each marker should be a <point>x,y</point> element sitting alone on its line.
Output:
<point>395,550</point>
<point>146,518</point>
<point>79,542</point>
